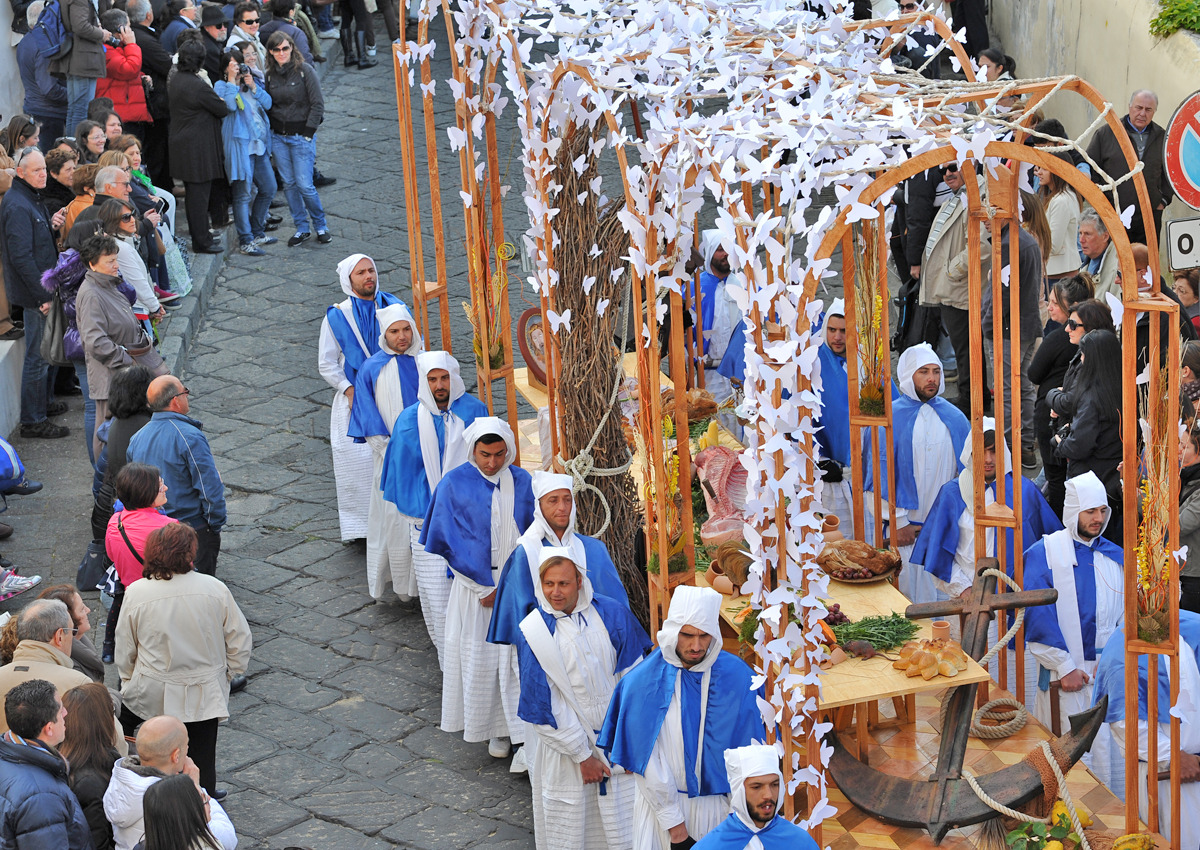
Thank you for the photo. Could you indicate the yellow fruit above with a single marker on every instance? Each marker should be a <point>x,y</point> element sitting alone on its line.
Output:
<point>1060,814</point>
<point>1134,841</point>
<point>1053,845</point>
<point>714,439</point>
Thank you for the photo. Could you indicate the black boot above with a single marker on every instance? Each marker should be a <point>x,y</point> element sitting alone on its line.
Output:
<point>349,59</point>
<point>364,61</point>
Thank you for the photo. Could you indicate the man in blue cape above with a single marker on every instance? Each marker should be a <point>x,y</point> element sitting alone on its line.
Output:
<point>573,648</point>
<point>1110,682</point>
<point>719,314</point>
<point>928,434</point>
<point>386,384</point>
<point>476,515</point>
<point>833,425</point>
<point>349,335</point>
<point>754,823</point>
<point>1067,638</point>
<point>673,717</point>
<point>426,443</point>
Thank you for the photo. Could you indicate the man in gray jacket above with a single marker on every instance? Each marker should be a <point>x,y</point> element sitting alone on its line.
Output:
<point>84,64</point>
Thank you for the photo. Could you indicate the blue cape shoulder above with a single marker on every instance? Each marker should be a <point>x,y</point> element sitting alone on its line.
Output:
<point>780,834</point>
<point>368,326</point>
<point>1110,675</point>
<point>904,415</point>
<point>365,419</point>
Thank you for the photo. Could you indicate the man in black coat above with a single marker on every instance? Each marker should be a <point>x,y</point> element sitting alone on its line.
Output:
<point>37,806</point>
<point>156,63</point>
<point>215,30</point>
<point>29,249</point>
<point>1147,139</point>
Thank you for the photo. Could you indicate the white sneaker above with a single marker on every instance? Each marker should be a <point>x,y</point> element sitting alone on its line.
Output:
<point>329,33</point>
<point>499,748</point>
<point>519,764</point>
<point>372,50</point>
<point>13,584</point>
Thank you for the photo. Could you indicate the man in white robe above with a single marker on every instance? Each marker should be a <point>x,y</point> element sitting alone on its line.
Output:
<point>349,335</point>
<point>426,443</point>
<point>1068,638</point>
<point>719,312</point>
<point>928,434</point>
<point>688,690</point>
<point>475,517</point>
<point>385,385</point>
<point>754,822</point>
<point>573,650</point>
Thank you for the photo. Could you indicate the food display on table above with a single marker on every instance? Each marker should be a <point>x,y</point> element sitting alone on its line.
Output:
<point>931,658</point>
<point>858,562</point>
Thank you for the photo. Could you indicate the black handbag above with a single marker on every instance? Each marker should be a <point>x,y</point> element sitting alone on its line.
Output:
<point>92,568</point>
<point>53,350</point>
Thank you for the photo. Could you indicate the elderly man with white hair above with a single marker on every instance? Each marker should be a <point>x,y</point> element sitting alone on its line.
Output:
<point>928,434</point>
<point>349,336</point>
<point>754,822</point>
<point>426,443</point>
<point>573,649</point>
<point>477,513</point>
<point>386,384</point>
<point>673,717</point>
<point>1067,638</point>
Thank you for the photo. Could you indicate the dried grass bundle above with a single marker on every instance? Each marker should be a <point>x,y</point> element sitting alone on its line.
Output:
<point>1153,559</point>
<point>869,284</point>
<point>589,358</point>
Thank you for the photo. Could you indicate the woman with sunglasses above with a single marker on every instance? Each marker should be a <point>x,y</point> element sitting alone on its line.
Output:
<point>297,109</point>
<point>120,221</point>
<point>21,132</point>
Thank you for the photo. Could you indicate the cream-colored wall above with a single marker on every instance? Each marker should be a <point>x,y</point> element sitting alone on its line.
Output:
<point>12,93</point>
<point>1109,45</point>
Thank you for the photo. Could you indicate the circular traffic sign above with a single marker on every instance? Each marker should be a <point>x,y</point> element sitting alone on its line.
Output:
<point>1182,151</point>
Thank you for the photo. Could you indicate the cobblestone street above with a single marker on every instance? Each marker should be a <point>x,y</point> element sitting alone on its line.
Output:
<point>334,744</point>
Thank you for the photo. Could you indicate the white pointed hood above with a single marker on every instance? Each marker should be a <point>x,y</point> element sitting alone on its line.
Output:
<point>914,358</point>
<point>1083,492</point>
<point>480,428</point>
<point>427,361</point>
<point>710,241</point>
<point>586,593</point>
<point>966,478</point>
<point>347,265</point>
<point>700,608</point>
<point>391,314</point>
<point>742,763</point>
<point>837,308</point>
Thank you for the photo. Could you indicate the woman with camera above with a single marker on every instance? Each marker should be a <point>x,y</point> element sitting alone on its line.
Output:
<point>246,133</point>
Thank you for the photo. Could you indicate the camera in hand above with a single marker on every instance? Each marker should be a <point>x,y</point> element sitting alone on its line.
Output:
<point>243,69</point>
<point>113,41</point>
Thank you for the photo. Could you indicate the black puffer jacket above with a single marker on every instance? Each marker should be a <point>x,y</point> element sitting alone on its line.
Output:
<point>38,810</point>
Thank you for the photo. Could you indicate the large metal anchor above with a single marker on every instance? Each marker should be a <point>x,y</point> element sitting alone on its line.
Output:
<point>945,801</point>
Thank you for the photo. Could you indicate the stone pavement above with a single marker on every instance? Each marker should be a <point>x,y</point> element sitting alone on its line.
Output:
<point>334,744</point>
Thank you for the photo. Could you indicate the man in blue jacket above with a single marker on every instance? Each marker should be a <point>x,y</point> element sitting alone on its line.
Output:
<point>45,94</point>
<point>38,810</point>
<point>175,443</point>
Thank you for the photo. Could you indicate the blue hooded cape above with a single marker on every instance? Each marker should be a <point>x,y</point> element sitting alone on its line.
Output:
<point>403,479</point>
<point>1110,675</point>
<point>515,597</point>
<point>458,522</point>
<point>639,706</point>
<point>779,834</point>
<point>904,416</point>
<point>365,419</point>
<point>833,435</point>
<point>1041,622</point>
<point>625,633</point>
<point>938,541</point>
<point>368,326</point>
<point>733,363</point>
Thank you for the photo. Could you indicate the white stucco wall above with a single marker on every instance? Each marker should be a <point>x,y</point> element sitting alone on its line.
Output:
<point>12,93</point>
<point>1109,45</point>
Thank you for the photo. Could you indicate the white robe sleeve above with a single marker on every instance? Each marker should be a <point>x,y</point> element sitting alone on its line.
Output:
<point>1057,661</point>
<point>657,787</point>
<point>329,359</point>
<point>570,738</point>
<point>221,826</point>
<point>378,444</point>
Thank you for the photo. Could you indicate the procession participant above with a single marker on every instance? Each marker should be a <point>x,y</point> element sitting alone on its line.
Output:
<point>427,442</point>
<point>554,515</point>
<point>475,517</point>
<point>673,717</point>
<point>572,650</point>
<point>833,426</point>
<point>928,434</point>
<point>1066,639</point>
<point>349,335</point>
<point>386,384</point>
<point>1110,682</point>
<point>719,314</point>
<point>754,824</point>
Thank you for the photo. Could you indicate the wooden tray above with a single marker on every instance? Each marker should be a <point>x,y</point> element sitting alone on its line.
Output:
<point>871,580</point>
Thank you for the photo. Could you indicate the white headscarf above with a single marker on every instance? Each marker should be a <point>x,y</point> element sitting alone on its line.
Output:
<point>1083,492</point>
<point>700,608</point>
<point>710,241</point>
<point>347,265</point>
<point>837,308</point>
<point>456,454</point>
<point>914,358</point>
<point>533,540</point>
<point>742,763</point>
<point>966,478</point>
<point>387,317</point>
<point>585,591</point>
<point>503,524</point>
<point>479,429</point>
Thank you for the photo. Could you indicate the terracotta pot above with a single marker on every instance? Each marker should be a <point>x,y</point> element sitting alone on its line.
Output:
<point>831,536</point>
<point>832,523</point>
<point>715,568</point>
<point>722,584</point>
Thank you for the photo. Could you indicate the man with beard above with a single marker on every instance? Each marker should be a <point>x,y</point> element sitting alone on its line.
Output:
<point>349,336</point>
<point>754,824</point>
<point>718,312</point>
<point>386,384</point>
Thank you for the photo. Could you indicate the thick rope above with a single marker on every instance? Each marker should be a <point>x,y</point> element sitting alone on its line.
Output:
<point>1064,794</point>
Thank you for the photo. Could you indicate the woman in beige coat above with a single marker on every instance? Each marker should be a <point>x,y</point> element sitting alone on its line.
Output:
<point>180,639</point>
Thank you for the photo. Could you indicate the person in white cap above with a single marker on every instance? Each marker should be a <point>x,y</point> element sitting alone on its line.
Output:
<point>928,434</point>
<point>386,384</point>
<point>757,796</point>
<point>349,335</point>
<point>833,426</point>
<point>719,313</point>
<point>572,651</point>
<point>475,517</point>
<point>1067,638</point>
<point>673,717</point>
<point>426,443</point>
